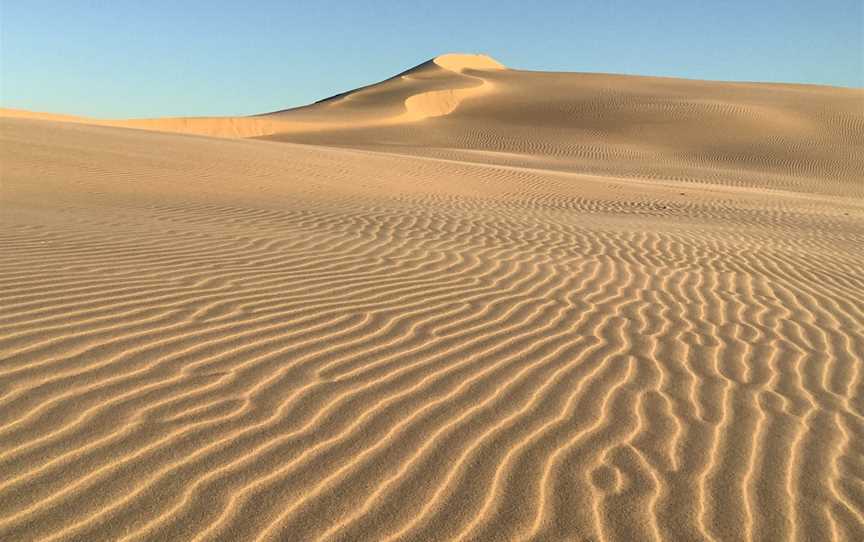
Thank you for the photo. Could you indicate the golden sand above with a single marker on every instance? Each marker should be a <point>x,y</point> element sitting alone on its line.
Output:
<point>466,303</point>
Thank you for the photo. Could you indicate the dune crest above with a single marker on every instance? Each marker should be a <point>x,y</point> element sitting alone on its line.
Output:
<point>437,103</point>
<point>459,62</point>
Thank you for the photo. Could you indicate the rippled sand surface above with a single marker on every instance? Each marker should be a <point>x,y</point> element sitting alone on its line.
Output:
<point>467,303</point>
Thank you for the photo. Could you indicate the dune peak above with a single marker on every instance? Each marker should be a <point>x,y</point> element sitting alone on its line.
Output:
<point>458,62</point>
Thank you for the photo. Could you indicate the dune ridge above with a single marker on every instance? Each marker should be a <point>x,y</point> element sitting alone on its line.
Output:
<point>630,310</point>
<point>422,105</point>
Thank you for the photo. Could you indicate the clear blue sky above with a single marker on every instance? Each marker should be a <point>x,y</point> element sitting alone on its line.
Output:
<point>124,58</point>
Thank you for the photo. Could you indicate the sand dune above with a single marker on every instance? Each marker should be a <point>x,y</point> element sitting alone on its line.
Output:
<point>431,89</point>
<point>465,303</point>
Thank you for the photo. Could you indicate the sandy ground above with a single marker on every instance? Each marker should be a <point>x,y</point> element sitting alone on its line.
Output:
<point>465,303</point>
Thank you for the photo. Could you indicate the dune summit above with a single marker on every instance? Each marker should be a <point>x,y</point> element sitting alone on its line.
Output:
<point>458,62</point>
<point>465,303</point>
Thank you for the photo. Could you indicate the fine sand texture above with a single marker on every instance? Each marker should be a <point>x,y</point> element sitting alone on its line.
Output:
<point>465,303</point>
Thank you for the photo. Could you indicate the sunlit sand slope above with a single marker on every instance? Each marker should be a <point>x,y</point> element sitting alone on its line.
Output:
<point>431,89</point>
<point>637,317</point>
<point>788,137</point>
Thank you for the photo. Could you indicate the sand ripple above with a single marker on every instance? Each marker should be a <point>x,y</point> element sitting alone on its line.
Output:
<point>243,340</point>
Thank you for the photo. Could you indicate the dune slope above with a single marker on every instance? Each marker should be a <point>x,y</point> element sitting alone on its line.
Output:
<point>431,89</point>
<point>630,310</point>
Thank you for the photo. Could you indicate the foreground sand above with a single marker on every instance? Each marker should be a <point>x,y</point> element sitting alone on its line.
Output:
<point>473,303</point>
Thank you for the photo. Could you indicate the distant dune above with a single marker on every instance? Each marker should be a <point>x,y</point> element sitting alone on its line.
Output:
<point>431,89</point>
<point>465,303</point>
